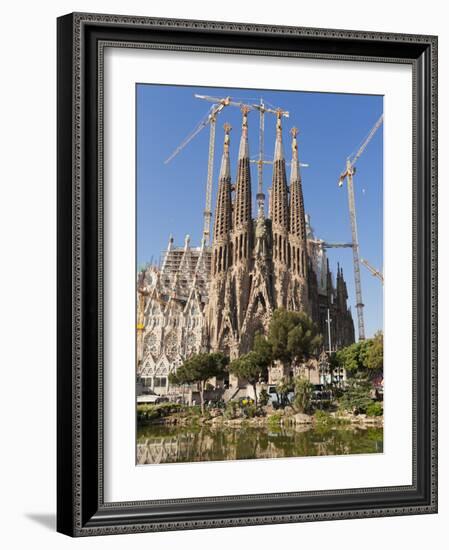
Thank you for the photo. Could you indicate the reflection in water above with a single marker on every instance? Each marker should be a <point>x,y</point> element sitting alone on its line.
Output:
<point>159,444</point>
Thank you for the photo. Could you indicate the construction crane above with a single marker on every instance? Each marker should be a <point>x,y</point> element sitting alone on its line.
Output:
<point>209,120</point>
<point>348,175</point>
<point>323,244</point>
<point>262,108</point>
<point>374,272</point>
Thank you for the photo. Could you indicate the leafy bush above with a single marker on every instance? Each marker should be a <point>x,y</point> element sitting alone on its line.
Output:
<point>250,411</point>
<point>245,402</point>
<point>374,409</point>
<point>231,410</point>
<point>322,417</point>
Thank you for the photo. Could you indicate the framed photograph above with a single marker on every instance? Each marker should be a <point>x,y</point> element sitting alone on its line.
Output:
<point>247,274</point>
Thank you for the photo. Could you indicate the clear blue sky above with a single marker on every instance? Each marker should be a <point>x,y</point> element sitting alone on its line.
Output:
<point>170,198</point>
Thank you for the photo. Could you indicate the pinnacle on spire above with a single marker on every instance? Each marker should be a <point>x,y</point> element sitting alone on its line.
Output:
<point>278,148</point>
<point>294,174</point>
<point>225,169</point>
<point>243,149</point>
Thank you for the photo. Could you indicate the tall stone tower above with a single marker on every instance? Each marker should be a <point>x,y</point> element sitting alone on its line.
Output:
<point>280,219</point>
<point>222,320</point>
<point>297,296</point>
<point>242,231</point>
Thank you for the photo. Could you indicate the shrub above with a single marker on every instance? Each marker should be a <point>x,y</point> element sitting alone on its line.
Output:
<point>230,410</point>
<point>149,412</point>
<point>374,409</point>
<point>274,420</point>
<point>263,397</point>
<point>322,417</point>
<point>357,395</point>
<point>250,411</point>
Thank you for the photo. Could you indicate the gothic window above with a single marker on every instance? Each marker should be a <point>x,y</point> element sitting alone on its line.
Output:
<point>151,342</point>
<point>171,345</point>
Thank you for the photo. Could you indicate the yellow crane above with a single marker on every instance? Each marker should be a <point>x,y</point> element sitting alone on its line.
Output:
<point>348,175</point>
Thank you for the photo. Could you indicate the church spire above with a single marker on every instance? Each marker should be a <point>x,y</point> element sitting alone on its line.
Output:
<point>279,192</point>
<point>223,210</point>
<point>242,206</point>
<point>297,216</point>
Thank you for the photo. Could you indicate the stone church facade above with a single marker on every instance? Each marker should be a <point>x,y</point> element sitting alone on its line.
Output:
<point>217,298</point>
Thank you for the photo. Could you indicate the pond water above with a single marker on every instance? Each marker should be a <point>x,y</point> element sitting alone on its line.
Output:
<point>159,444</point>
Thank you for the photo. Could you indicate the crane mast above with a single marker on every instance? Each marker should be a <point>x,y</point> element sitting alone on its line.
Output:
<point>348,175</point>
<point>355,251</point>
<point>260,194</point>
<point>210,172</point>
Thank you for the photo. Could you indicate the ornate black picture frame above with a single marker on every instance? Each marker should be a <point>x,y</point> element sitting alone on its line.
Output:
<point>81,510</point>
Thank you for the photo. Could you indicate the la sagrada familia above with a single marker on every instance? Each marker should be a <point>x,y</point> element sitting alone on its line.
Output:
<point>216,298</point>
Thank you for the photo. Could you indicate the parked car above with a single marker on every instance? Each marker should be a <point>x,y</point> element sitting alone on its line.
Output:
<point>320,393</point>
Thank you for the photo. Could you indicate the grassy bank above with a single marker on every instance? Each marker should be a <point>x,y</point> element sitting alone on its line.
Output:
<point>234,414</point>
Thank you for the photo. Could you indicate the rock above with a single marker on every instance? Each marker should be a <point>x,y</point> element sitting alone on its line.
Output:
<point>301,418</point>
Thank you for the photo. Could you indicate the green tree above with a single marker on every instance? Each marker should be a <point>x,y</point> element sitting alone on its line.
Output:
<point>198,369</point>
<point>375,356</point>
<point>348,358</point>
<point>252,366</point>
<point>263,348</point>
<point>293,336</point>
<point>357,396</point>
<point>364,355</point>
<point>303,394</point>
